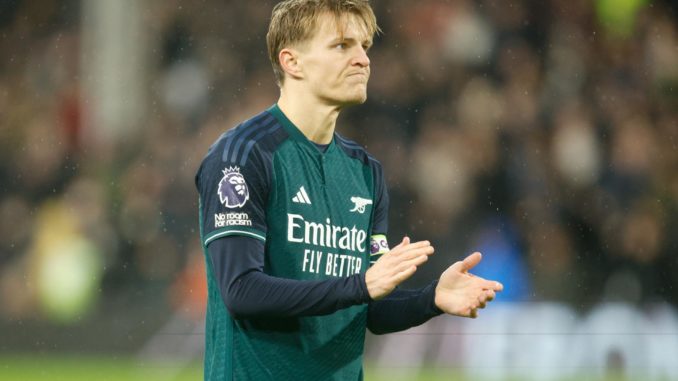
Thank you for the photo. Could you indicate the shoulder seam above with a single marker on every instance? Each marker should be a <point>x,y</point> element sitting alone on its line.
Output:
<point>353,145</point>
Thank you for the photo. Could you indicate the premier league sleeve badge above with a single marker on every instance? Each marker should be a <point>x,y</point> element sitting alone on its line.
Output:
<point>233,192</point>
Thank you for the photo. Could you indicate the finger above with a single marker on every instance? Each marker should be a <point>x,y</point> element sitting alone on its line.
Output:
<point>405,274</point>
<point>416,245</point>
<point>412,252</point>
<point>406,246</point>
<point>488,284</point>
<point>403,246</point>
<point>417,251</point>
<point>405,241</point>
<point>473,314</point>
<point>466,264</point>
<point>471,261</point>
<point>494,286</point>
<point>489,295</point>
<point>456,267</point>
<point>417,261</point>
<point>404,266</point>
<point>482,282</point>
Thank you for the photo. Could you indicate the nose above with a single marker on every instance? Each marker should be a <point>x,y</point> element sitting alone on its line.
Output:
<point>361,59</point>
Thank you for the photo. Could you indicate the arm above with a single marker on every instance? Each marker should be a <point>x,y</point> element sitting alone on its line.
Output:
<point>237,262</point>
<point>402,309</point>
<point>247,291</point>
<point>456,293</point>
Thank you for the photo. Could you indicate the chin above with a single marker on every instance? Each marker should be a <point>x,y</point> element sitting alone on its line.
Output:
<point>353,102</point>
<point>356,99</point>
<point>348,99</point>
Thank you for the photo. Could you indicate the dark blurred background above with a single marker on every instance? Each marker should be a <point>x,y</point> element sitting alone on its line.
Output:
<point>543,134</point>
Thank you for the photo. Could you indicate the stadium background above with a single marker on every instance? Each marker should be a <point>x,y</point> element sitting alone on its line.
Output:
<point>543,134</point>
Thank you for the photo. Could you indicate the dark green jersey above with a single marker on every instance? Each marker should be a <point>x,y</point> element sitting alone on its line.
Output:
<point>316,213</point>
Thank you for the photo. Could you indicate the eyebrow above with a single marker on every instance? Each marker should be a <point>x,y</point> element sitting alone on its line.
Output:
<point>336,40</point>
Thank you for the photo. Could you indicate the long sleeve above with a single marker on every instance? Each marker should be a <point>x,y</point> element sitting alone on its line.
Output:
<point>248,292</point>
<point>402,309</point>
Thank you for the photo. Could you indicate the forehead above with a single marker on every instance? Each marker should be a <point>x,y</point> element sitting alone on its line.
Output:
<point>347,25</point>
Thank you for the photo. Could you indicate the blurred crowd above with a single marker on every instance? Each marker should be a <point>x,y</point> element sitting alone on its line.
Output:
<point>543,134</point>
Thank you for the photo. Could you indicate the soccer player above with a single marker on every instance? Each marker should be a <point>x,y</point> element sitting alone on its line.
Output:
<point>294,219</point>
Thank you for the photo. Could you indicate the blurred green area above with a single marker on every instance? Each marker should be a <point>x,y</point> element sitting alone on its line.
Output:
<point>93,368</point>
<point>98,368</point>
<point>619,16</point>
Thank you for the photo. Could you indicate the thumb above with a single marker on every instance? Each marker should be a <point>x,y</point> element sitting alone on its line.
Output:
<point>471,261</point>
<point>405,241</point>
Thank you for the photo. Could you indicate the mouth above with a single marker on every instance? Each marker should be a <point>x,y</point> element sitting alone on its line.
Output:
<point>359,75</point>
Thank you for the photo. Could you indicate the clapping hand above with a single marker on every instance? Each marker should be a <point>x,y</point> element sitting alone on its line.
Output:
<point>461,293</point>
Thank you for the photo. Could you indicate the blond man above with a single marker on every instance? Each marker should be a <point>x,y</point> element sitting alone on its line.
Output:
<point>294,219</point>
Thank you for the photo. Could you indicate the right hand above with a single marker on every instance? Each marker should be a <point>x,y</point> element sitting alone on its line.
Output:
<point>395,266</point>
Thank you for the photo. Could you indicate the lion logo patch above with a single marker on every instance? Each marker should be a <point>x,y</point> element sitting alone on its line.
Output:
<point>233,192</point>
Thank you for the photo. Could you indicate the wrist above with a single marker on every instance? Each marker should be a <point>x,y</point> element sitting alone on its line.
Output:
<point>365,296</point>
<point>433,303</point>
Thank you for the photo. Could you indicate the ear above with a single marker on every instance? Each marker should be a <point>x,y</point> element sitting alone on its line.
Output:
<point>289,61</point>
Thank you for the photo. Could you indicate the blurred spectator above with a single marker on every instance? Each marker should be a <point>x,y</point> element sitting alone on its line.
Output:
<point>65,257</point>
<point>558,119</point>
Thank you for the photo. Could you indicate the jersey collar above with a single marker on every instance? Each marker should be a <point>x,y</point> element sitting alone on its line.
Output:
<point>294,131</point>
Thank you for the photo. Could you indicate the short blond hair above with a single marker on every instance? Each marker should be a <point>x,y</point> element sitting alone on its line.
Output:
<point>295,21</point>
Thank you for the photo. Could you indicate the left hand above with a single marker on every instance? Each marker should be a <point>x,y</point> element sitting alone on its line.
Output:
<point>460,293</point>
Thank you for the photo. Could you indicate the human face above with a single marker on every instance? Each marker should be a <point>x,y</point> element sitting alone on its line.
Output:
<point>334,61</point>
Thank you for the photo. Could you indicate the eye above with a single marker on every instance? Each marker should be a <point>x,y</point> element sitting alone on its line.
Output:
<point>341,46</point>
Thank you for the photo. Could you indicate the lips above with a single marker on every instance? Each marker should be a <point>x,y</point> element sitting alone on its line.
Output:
<point>360,75</point>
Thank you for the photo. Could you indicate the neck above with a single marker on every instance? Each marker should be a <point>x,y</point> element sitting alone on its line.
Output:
<point>313,118</point>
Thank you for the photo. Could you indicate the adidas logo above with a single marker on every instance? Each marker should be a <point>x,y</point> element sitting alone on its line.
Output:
<point>301,197</point>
